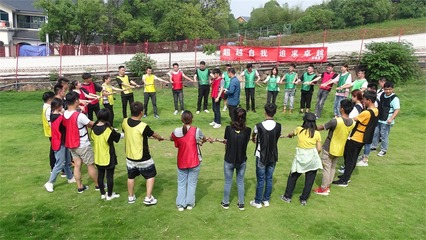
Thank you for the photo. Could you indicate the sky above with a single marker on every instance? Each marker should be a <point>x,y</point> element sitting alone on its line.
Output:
<point>244,7</point>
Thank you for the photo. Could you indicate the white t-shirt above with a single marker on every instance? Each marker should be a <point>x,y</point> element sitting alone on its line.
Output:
<point>48,112</point>
<point>82,122</point>
<point>198,137</point>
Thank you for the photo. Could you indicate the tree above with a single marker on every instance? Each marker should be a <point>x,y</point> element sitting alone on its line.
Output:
<point>216,14</point>
<point>315,18</point>
<point>360,12</point>
<point>410,8</point>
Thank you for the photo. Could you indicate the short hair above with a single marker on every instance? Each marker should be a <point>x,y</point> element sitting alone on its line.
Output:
<point>311,65</point>
<point>56,103</point>
<point>228,65</point>
<point>175,64</point>
<point>86,76</point>
<point>270,109</point>
<point>105,77</point>
<point>148,67</point>
<point>47,96</point>
<point>120,67</point>
<point>330,65</point>
<point>202,63</point>
<point>231,70</point>
<point>57,88</point>
<point>216,71</point>
<point>388,85</point>
<point>347,105</point>
<point>72,97</point>
<point>357,94</point>
<point>136,108</point>
<point>293,65</point>
<point>370,95</point>
<point>382,79</point>
<point>372,86</point>
<point>62,80</point>
<point>249,65</point>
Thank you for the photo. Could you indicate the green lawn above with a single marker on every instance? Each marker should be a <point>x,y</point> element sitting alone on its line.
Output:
<point>384,201</point>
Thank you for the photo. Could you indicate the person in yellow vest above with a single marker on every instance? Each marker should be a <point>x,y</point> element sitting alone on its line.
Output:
<point>127,86</point>
<point>138,157</point>
<point>45,119</point>
<point>104,136</point>
<point>149,92</point>
<point>107,97</point>
<point>339,129</point>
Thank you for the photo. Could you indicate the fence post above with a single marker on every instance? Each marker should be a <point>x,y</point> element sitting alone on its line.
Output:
<point>195,50</point>
<point>362,44</point>
<point>60,58</point>
<point>401,32</point>
<point>106,50</point>
<point>325,37</point>
<point>17,63</point>
<point>146,47</point>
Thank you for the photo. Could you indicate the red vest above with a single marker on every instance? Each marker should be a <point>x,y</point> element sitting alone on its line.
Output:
<point>327,76</point>
<point>187,149</point>
<point>215,87</point>
<point>56,133</point>
<point>177,81</point>
<point>91,89</point>
<point>72,137</point>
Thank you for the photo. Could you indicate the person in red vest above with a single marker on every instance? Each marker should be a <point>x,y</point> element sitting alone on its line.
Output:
<point>176,77</point>
<point>92,88</point>
<point>77,141</point>
<point>324,90</point>
<point>187,139</point>
<point>216,94</point>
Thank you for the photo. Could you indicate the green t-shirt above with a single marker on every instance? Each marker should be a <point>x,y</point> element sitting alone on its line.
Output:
<point>289,78</point>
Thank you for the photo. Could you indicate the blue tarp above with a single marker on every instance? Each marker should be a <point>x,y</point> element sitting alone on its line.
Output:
<point>28,50</point>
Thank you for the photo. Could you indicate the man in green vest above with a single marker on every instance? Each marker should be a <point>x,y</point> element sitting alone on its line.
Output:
<point>202,76</point>
<point>360,83</point>
<point>249,77</point>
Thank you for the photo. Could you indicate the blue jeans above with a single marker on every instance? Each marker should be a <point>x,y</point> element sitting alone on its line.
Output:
<point>321,97</point>
<point>228,169</point>
<point>63,161</point>
<point>264,181</point>
<point>367,149</point>
<point>216,110</point>
<point>383,130</point>
<point>336,106</point>
<point>187,184</point>
<point>289,95</point>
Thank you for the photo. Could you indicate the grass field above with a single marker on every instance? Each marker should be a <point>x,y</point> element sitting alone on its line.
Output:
<point>384,201</point>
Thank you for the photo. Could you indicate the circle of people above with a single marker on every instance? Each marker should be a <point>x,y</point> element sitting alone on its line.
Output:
<point>363,118</point>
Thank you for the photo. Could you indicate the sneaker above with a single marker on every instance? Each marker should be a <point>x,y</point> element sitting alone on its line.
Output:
<point>103,196</point>
<point>132,199</point>
<point>303,202</point>
<point>285,199</point>
<point>206,111</point>
<point>197,112</point>
<point>144,116</point>
<point>340,176</point>
<point>254,110</point>
<point>341,171</point>
<point>362,163</point>
<point>322,191</point>
<point>97,188</point>
<point>217,126</point>
<point>224,205</point>
<point>254,204</point>
<point>265,203</point>
<point>373,148</point>
<point>150,201</point>
<point>72,180</point>
<point>63,174</point>
<point>212,123</point>
<point>381,153</point>
<point>224,109</point>
<point>175,112</point>
<point>190,207</point>
<point>240,206</point>
<point>156,116</point>
<point>81,190</point>
<point>180,208</point>
<point>340,183</point>
<point>49,186</point>
<point>113,195</point>
<point>181,112</point>
<point>116,129</point>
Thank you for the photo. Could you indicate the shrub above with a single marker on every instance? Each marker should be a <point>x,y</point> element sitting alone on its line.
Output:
<point>139,62</point>
<point>393,60</point>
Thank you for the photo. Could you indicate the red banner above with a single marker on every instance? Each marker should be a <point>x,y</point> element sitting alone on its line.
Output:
<point>273,54</point>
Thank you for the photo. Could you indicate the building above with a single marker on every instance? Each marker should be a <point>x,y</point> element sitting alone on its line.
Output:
<point>243,19</point>
<point>20,24</point>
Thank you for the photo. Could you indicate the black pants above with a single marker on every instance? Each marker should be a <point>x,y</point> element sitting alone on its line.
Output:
<point>216,111</point>
<point>109,177</point>
<point>250,96</point>
<point>305,99</point>
<point>271,95</point>
<point>231,110</point>
<point>203,92</point>
<point>124,99</point>
<point>178,96</point>
<point>92,108</point>
<point>309,182</point>
<point>52,159</point>
<point>352,150</point>
<point>146,97</point>
<point>111,110</point>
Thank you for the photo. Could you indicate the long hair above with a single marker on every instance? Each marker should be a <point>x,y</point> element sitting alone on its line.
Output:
<point>55,104</point>
<point>186,119</point>
<point>239,121</point>
<point>272,71</point>
<point>73,85</point>
<point>103,116</point>
<point>309,124</point>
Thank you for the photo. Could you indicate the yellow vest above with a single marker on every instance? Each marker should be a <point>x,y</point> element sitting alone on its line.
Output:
<point>149,83</point>
<point>46,126</point>
<point>125,80</point>
<point>340,135</point>
<point>107,88</point>
<point>101,147</point>
<point>133,144</point>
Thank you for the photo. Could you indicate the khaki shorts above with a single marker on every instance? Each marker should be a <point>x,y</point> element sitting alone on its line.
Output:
<point>84,153</point>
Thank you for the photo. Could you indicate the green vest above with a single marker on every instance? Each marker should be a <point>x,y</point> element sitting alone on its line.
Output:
<point>307,78</point>
<point>358,84</point>
<point>227,80</point>
<point>342,80</point>
<point>101,147</point>
<point>272,84</point>
<point>289,78</point>
<point>249,77</point>
<point>203,76</point>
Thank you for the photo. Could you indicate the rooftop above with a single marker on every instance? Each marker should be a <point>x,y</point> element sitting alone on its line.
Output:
<point>21,5</point>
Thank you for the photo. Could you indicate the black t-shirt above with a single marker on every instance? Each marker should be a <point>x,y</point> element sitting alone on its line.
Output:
<point>236,145</point>
<point>114,137</point>
<point>146,134</point>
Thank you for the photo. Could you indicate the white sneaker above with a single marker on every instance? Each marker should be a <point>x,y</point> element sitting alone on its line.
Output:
<point>362,164</point>
<point>341,171</point>
<point>212,123</point>
<point>217,126</point>
<point>180,208</point>
<point>113,195</point>
<point>132,199</point>
<point>266,203</point>
<point>254,204</point>
<point>224,109</point>
<point>72,180</point>
<point>150,201</point>
<point>190,207</point>
<point>181,112</point>
<point>175,112</point>
<point>206,111</point>
<point>197,112</point>
<point>381,153</point>
<point>103,196</point>
<point>49,186</point>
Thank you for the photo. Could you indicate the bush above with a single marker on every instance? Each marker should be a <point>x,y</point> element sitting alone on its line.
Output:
<point>393,60</point>
<point>139,62</point>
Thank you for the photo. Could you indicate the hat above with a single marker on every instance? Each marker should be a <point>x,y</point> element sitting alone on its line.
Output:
<point>310,117</point>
